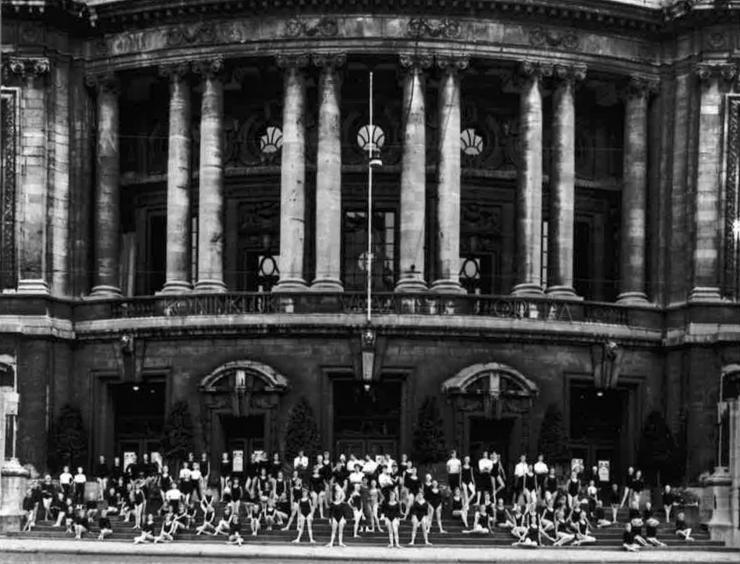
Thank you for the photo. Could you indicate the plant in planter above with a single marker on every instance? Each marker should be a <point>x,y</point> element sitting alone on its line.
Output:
<point>301,433</point>
<point>69,446</point>
<point>553,443</point>
<point>429,438</point>
<point>177,439</point>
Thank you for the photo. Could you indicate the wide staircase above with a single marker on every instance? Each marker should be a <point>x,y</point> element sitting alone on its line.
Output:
<point>608,538</point>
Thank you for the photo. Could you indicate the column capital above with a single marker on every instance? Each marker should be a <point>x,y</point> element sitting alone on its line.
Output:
<point>329,61</point>
<point>535,70</point>
<point>640,87</point>
<point>415,62</point>
<point>292,61</point>
<point>569,74</point>
<point>452,63</point>
<point>174,71</point>
<point>26,67</point>
<point>104,82</point>
<point>210,68</point>
<point>706,71</point>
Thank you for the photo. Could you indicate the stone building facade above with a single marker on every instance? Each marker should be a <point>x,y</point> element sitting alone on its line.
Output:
<point>183,216</point>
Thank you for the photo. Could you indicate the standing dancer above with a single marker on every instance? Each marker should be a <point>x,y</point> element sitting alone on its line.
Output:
<point>467,477</point>
<point>337,518</point>
<point>305,516</point>
<point>453,471</point>
<point>420,516</point>
<point>485,467</point>
<point>391,513</point>
<point>355,502</point>
<point>435,501</point>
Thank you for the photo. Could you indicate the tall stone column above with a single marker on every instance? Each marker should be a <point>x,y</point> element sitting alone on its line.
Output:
<point>107,190</point>
<point>562,183</point>
<point>448,176</point>
<point>32,227</point>
<point>211,188</point>
<point>329,176</point>
<point>59,185</point>
<point>413,175</point>
<point>706,279</point>
<point>529,182</point>
<point>293,175</point>
<point>634,192</point>
<point>178,180</point>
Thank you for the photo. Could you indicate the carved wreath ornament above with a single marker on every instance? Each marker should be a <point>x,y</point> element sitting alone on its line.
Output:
<point>541,37</point>
<point>446,28</point>
<point>324,27</point>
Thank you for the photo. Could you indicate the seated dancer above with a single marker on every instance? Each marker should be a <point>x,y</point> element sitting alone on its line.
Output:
<point>681,529</point>
<point>562,532</point>
<point>104,525</point>
<point>520,528</point>
<point>270,514</point>
<point>235,530</point>
<point>459,507</point>
<point>223,525</point>
<point>255,517</point>
<point>651,532</point>
<point>209,517</point>
<point>628,539</point>
<point>531,537</point>
<point>147,530</point>
<point>81,523</point>
<point>390,511</point>
<point>502,518</point>
<point>420,516</point>
<point>583,531</point>
<point>481,521</point>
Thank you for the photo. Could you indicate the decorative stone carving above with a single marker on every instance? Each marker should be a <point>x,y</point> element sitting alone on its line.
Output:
<point>8,113</point>
<point>723,70</point>
<point>445,28</point>
<point>572,73</point>
<point>535,70</point>
<point>716,40</point>
<point>415,61</point>
<point>542,37</point>
<point>193,34</point>
<point>298,60</point>
<point>107,82</point>
<point>174,70</point>
<point>329,60</point>
<point>452,63</point>
<point>730,281</point>
<point>639,86</point>
<point>211,68</point>
<point>323,27</point>
<point>26,67</point>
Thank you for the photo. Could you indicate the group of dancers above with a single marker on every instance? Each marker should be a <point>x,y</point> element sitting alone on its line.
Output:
<point>368,493</point>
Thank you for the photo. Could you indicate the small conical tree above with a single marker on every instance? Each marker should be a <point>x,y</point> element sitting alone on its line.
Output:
<point>657,455</point>
<point>177,439</point>
<point>429,437</point>
<point>69,438</point>
<point>553,444</point>
<point>301,433</point>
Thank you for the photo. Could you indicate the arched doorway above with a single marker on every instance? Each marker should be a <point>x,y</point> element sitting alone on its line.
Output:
<point>239,403</point>
<point>491,409</point>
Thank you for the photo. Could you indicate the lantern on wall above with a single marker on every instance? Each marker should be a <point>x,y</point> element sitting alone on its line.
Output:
<point>368,339</point>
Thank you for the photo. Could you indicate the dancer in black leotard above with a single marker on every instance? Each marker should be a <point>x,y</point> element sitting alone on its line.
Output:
<point>435,500</point>
<point>305,516</point>
<point>337,517</point>
<point>390,511</point>
<point>420,518</point>
<point>355,502</point>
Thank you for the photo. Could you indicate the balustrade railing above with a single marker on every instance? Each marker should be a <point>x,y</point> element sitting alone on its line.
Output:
<point>426,304</point>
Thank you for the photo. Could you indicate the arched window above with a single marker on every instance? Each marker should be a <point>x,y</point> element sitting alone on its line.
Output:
<point>491,379</point>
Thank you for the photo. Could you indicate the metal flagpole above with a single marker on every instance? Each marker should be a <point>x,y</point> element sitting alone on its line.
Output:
<point>370,144</point>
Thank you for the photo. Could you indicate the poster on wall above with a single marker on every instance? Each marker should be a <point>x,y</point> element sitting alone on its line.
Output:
<point>576,465</point>
<point>237,461</point>
<point>603,470</point>
<point>129,457</point>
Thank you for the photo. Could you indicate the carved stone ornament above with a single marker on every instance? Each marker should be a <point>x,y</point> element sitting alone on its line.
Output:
<point>640,86</point>
<point>415,61</point>
<point>323,27</point>
<point>724,71</point>
<point>174,71</point>
<point>541,37</point>
<point>26,67</point>
<point>193,34</point>
<point>535,70</point>
<point>716,40</point>
<point>292,61</point>
<point>570,73</point>
<point>445,28</point>
<point>329,60</point>
<point>452,63</point>
<point>107,82</point>
<point>211,68</point>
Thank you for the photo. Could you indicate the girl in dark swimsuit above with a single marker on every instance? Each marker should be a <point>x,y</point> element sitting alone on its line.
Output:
<point>390,511</point>
<point>420,518</point>
<point>459,506</point>
<point>337,517</point>
<point>305,516</point>
<point>318,494</point>
<point>412,485</point>
<point>435,500</point>
<point>467,477</point>
<point>355,502</point>
<point>574,487</point>
<point>501,517</point>
<point>225,468</point>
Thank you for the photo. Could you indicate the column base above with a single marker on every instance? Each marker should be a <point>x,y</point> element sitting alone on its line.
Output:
<point>705,294</point>
<point>562,293</point>
<point>103,292</point>
<point>176,287</point>
<point>411,285</point>
<point>290,285</point>
<point>447,286</point>
<point>527,289</point>
<point>33,286</point>
<point>327,285</point>
<point>210,286</point>
<point>632,298</point>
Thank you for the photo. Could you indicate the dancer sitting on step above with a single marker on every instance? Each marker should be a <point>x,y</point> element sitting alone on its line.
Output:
<point>420,518</point>
<point>169,528</point>
<point>147,530</point>
<point>682,530</point>
<point>628,539</point>
<point>501,517</point>
<point>223,525</point>
<point>583,531</point>
<point>519,529</point>
<point>270,514</point>
<point>562,533</point>
<point>104,525</point>
<point>58,509</point>
<point>255,517</point>
<point>531,537</point>
<point>459,507</point>
<point>481,522</point>
<point>29,507</point>
<point>339,511</point>
<point>547,518</point>
<point>599,516</point>
<point>81,523</point>
<point>306,510</point>
<point>390,511</point>
<point>235,530</point>
<point>651,532</point>
<point>209,517</point>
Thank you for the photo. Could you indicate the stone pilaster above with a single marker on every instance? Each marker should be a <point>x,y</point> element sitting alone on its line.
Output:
<point>447,270</point>
<point>59,171</point>
<point>529,181</point>
<point>633,234</point>
<point>178,180</point>
<point>34,149</point>
<point>706,278</point>
<point>329,176</point>
<point>413,175</point>
<point>562,183</point>
<point>210,188</point>
<point>293,175</point>
<point>106,222</point>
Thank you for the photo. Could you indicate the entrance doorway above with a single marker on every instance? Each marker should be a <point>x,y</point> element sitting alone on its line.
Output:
<point>139,417</point>
<point>367,421</point>
<point>244,433</point>
<point>597,420</point>
<point>489,434</point>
